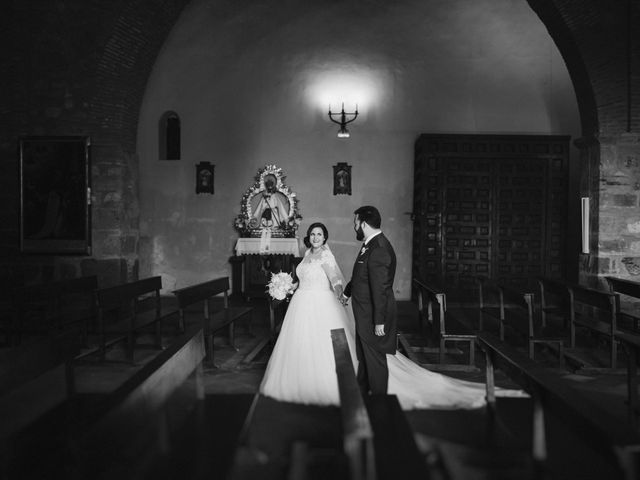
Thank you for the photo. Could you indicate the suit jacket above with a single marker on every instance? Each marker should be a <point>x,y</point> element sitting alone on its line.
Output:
<point>371,292</point>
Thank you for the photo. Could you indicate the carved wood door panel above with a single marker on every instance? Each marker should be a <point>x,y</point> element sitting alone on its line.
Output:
<point>467,221</point>
<point>520,220</point>
<point>490,206</point>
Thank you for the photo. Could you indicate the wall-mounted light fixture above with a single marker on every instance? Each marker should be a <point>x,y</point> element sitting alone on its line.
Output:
<point>586,224</point>
<point>343,132</point>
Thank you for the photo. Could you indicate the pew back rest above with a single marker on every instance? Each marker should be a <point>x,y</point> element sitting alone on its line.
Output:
<point>28,361</point>
<point>488,293</point>
<point>148,389</point>
<point>597,426</point>
<point>58,303</point>
<point>203,291</point>
<point>595,303</point>
<point>629,292</point>
<point>113,297</point>
<point>356,425</point>
<point>129,299</point>
<point>624,286</point>
<point>512,298</point>
<point>135,420</point>
<point>429,297</point>
<point>553,291</point>
<point>598,312</point>
<point>516,309</point>
<point>34,378</point>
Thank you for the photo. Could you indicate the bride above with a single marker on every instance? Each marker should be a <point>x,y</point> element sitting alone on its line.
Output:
<point>302,366</point>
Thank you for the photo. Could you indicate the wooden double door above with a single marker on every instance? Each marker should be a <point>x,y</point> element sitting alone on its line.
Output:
<point>490,206</point>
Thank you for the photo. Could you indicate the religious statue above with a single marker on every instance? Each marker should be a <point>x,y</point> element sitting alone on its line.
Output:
<point>270,206</point>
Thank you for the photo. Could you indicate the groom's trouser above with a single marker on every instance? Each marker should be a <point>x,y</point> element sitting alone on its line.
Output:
<point>373,374</point>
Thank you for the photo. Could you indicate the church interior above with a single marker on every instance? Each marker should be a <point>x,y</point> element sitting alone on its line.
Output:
<point>161,160</point>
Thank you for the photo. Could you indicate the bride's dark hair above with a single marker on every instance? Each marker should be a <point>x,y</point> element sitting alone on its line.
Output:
<point>310,229</point>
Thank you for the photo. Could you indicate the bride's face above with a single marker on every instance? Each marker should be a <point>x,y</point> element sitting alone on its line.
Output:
<point>316,238</point>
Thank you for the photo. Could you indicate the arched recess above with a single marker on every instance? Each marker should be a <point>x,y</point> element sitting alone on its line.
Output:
<point>169,136</point>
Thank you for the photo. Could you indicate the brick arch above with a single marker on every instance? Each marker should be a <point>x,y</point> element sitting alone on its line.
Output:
<point>125,65</point>
<point>122,71</point>
<point>594,40</point>
<point>563,37</point>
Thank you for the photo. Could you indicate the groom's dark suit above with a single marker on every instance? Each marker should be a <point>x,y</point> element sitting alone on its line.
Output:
<point>371,292</point>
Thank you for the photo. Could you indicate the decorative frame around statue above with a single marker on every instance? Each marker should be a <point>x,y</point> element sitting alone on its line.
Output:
<point>269,205</point>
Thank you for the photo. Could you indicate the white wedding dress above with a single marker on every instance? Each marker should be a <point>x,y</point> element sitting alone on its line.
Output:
<point>302,366</point>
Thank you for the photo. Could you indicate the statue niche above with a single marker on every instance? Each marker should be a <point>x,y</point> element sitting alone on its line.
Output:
<point>268,205</point>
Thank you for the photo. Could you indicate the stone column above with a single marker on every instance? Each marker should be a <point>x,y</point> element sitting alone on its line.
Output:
<point>619,207</point>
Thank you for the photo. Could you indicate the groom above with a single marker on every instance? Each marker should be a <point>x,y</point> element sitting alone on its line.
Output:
<point>374,306</point>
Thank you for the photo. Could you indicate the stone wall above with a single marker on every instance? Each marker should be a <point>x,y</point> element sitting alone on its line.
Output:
<point>77,67</point>
<point>598,41</point>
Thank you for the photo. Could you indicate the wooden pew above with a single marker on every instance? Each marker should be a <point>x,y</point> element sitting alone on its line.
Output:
<point>46,308</point>
<point>554,300</point>
<point>378,440</point>
<point>429,299</point>
<point>357,432</point>
<point>627,289</point>
<point>596,311</point>
<point>515,310</point>
<point>134,432</point>
<point>488,301</point>
<point>125,310</point>
<point>211,323</point>
<point>35,377</point>
<point>631,343</point>
<point>597,427</point>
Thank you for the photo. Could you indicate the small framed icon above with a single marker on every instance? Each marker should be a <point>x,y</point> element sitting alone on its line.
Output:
<point>204,177</point>
<point>342,179</point>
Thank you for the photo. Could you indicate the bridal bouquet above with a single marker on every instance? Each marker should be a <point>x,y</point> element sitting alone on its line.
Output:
<point>280,285</point>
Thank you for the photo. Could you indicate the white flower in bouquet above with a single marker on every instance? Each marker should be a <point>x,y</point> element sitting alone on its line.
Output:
<point>280,285</point>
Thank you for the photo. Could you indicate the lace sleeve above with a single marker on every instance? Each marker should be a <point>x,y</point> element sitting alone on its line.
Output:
<point>331,269</point>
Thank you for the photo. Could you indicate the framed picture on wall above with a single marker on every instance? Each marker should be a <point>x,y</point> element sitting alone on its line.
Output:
<point>342,179</point>
<point>205,177</point>
<point>55,195</point>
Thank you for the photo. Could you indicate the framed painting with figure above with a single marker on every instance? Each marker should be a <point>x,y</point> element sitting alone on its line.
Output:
<point>342,179</point>
<point>55,195</point>
<point>204,177</point>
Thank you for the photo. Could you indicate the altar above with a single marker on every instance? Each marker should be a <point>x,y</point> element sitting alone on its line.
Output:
<point>256,260</point>
<point>268,243</point>
<point>272,246</point>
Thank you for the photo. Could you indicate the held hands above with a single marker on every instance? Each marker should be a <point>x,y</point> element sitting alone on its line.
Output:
<point>342,298</point>
<point>379,330</point>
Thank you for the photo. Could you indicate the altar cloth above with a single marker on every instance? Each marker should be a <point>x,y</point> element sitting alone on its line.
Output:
<point>274,246</point>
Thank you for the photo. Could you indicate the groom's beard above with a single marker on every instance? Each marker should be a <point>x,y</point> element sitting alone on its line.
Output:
<point>359,234</point>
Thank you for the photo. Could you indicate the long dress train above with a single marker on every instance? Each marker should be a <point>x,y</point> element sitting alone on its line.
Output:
<point>302,366</point>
